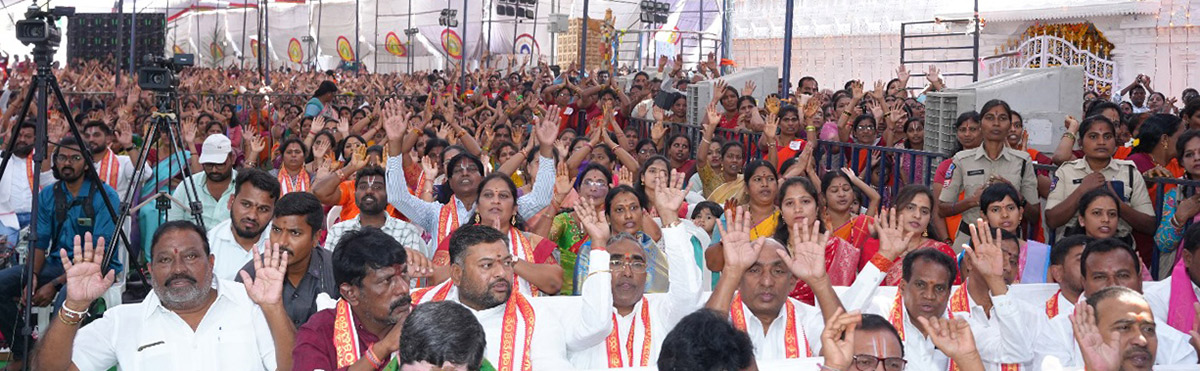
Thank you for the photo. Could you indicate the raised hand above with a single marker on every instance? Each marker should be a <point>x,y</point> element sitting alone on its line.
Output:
<point>429,167</point>
<point>933,75</point>
<point>1072,124</point>
<point>986,255</point>
<point>343,126</point>
<point>189,131</point>
<point>625,176</point>
<point>547,128</point>
<point>562,182</point>
<point>951,336</point>
<point>903,75</point>
<point>394,123</point>
<point>318,124</point>
<point>769,130</point>
<point>714,117</point>
<point>740,253</point>
<point>837,340</point>
<point>659,113</point>
<point>85,283</point>
<point>856,90</point>
<point>595,223</point>
<point>124,134</point>
<point>657,131</point>
<point>257,145</point>
<point>893,241</point>
<point>748,89</point>
<point>270,268</point>
<point>1098,355</point>
<point>669,194</point>
<point>807,260</point>
<point>319,149</point>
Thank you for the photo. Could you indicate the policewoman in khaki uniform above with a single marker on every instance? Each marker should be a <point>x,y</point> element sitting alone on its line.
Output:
<point>1096,169</point>
<point>975,169</point>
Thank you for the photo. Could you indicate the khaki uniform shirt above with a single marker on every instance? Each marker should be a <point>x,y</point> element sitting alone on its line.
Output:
<point>971,169</point>
<point>1070,175</point>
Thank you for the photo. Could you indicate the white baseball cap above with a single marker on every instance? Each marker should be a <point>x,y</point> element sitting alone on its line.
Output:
<point>216,149</point>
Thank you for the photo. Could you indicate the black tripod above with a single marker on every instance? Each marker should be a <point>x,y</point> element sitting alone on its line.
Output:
<point>38,29</point>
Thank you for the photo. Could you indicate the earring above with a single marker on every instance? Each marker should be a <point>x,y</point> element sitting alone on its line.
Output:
<point>477,219</point>
<point>925,234</point>
<point>514,220</point>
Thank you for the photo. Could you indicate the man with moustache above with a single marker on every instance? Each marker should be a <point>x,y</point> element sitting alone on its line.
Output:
<point>212,186</point>
<point>370,194</point>
<point>298,221</point>
<point>190,321</point>
<point>621,313</point>
<point>1064,269</point>
<point>251,209</point>
<point>72,206</point>
<point>1116,330</point>
<point>481,274</point>
<point>15,196</point>
<point>362,331</point>
<point>1106,263</point>
<point>114,170</point>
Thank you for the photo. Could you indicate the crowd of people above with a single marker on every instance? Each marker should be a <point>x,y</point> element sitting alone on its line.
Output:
<point>328,220</point>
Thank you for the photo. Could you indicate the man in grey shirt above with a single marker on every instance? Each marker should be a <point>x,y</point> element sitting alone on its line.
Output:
<point>298,220</point>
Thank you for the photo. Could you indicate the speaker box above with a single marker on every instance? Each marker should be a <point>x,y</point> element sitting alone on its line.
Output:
<point>106,35</point>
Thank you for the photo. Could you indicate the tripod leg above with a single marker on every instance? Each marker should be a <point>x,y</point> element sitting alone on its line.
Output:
<point>175,137</point>
<point>118,231</point>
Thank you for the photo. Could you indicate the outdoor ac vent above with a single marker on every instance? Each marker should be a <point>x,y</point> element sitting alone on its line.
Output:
<point>700,94</point>
<point>1043,97</point>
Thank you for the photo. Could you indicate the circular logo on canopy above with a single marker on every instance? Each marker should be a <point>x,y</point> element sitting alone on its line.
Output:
<point>452,43</point>
<point>175,48</point>
<point>254,47</point>
<point>344,49</point>
<point>216,51</point>
<point>295,53</point>
<point>393,45</point>
<point>526,44</point>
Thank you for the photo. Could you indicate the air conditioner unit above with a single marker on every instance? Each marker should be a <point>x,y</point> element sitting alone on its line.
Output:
<point>766,80</point>
<point>1043,96</point>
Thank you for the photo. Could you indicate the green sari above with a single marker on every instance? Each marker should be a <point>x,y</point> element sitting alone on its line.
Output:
<point>568,236</point>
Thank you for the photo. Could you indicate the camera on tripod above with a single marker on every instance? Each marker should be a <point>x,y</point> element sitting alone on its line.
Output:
<point>38,27</point>
<point>159,72</point>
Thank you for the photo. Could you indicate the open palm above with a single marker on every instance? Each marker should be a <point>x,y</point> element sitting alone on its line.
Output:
<point>1098,354</point>
<point>592,221</point>
<point>669,197</point>
<point>85,282</point>
<point>985,252</point>
<point>739,252</point>
<point>952,336</point>
<point>270,267</point>
<point>807,260</point>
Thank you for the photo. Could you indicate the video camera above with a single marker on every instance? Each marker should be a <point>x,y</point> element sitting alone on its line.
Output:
<point>38,27</point>
<point>159,72</point>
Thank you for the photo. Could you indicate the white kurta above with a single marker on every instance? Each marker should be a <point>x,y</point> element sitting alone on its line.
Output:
<point>146,336</point>
<point>1159,297</point>
<point>586,338</point>
<point>547,351</point>
<point>1055,346</point>
<point>124,174</point>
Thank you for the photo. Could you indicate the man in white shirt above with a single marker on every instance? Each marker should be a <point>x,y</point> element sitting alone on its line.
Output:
<point>1064,269</point>
<point>1105,263</point>
<point>370,194</point>
<point>481,274</point>
<point>755,283</point>
<point>252,206</point>
<point>114,170</point>
<point>615,309</point>
<point>1117,331</point>
<point>191,321</point>
<point>1173,300</point>
<point>15,197</point>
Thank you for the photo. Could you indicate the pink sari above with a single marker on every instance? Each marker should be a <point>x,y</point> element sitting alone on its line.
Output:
<point>841,260</point>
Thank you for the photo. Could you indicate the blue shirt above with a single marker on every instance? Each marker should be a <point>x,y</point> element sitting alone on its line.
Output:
<point>102,223</point>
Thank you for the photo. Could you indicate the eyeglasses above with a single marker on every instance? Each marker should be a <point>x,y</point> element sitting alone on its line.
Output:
<point>866,362</point>
<point>595,183</point>
<point>634,265</point>
<point>71,158</point>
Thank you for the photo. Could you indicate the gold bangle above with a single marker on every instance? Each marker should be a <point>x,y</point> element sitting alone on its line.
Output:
<point>810,128</point>
<point>1071,135</point>
<point>62,318</point>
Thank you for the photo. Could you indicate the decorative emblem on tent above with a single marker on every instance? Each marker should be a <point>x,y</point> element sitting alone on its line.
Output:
<point>215,49</point>
<point>393,45</point>
<point>295,53</point>
<point>344,49</point>
<point>452,43</point>
<point>176,49</point>
<point>526,44</point>
<point>254,47</point>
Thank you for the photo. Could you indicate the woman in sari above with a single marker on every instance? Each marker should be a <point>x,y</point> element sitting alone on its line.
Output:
<point>537,273</point>
<point>292,174</point>
<point>723,185</point>
<point>838,189</point>
<point>655,171</point>
<point>914,211</point>
<point>798,200</point>
<point>592,185</point>
<point>625,208</point>
<point>1179,210</point>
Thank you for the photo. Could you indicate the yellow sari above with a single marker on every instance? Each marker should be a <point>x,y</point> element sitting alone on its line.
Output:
<point>730,190</point>
<point>766,228</point>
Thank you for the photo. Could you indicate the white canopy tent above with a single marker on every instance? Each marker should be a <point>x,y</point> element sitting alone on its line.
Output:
<point>322,32</point>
